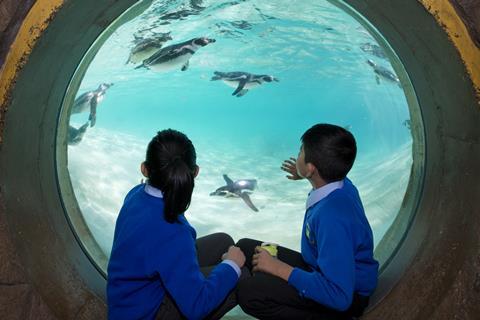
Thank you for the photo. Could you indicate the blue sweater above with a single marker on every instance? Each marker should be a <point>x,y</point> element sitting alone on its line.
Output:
<point>151,256</point>
<point>337,243</point>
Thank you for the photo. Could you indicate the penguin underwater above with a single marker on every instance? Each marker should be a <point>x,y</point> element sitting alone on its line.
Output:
<point>75,135</point>
<point>242,81</point>
<point>384,73</point>
<point>89,101</point>
<point>175,56</point>
<point>373,49</point>
<point>239,188</point>
<point>145,47</point>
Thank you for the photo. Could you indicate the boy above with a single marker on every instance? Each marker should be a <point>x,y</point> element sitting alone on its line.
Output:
<point>335,273</point>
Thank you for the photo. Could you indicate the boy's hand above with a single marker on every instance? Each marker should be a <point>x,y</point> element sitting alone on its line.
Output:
<point>236,255</point>
<point>264,262</point>
<point>290,167</point>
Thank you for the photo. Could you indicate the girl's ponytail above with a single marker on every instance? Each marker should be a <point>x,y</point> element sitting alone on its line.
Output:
<point>171,166</point>
<point>178,189</point>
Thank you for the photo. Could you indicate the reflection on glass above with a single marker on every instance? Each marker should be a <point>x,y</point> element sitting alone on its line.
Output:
<point>243,80</point>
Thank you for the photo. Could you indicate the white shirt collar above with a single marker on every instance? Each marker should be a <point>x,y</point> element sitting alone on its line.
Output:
<point>318,194</point>
<point>154,192</point>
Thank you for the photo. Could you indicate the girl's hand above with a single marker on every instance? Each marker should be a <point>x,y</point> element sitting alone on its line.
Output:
<point>236,255</point>
<point>290,167</point>
<point>264,262</point>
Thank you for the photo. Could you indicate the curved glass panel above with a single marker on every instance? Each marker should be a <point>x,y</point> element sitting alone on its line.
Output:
<point>330,69</point>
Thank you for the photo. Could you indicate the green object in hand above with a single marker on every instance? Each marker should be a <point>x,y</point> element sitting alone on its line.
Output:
<point>271,248</point>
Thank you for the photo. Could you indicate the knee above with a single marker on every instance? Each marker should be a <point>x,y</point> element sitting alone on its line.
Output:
<point>246,243</point>
<point>242,241</point>
<point>223,237</point>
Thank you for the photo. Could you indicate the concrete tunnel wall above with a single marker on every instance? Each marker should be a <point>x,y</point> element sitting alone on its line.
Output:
<point>438,264</point>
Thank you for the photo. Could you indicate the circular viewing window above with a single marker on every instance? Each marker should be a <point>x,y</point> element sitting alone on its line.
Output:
<point>320,63</point>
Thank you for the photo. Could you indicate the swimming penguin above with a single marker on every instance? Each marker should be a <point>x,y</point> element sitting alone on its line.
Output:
<point>75,135</point>
<point>384,73</point>
<point>239,188</point>
<point>175,56</point>
<point>242,81</point>
<point>145,47</point>
<point>373,49</point>
<point>89,100</point>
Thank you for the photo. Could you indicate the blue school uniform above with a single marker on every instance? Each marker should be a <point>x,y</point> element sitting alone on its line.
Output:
<point>151,257</point>
<point>337,243</point>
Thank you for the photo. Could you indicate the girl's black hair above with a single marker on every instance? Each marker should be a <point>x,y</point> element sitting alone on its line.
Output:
<point>331,149</point>
<point>171,165</point>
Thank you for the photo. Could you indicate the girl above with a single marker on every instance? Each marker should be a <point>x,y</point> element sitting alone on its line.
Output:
<point>157,269</point>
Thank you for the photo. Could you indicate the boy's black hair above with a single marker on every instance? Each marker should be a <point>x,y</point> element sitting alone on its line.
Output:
<point>171,164</point>
<point>331,149</point>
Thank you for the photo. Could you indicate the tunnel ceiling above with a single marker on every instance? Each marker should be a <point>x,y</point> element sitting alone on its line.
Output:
<point>469,11</point>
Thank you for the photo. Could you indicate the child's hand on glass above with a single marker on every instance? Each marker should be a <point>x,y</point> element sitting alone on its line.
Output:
<point>290,167</point>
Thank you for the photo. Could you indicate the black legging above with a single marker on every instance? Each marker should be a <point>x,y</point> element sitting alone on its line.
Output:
<point>262,295</point>
<point>268,297</point>
<point>209,252</point>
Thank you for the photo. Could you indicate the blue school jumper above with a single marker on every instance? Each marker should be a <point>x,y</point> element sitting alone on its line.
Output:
<point>337,243</point>
<point>151,256</point>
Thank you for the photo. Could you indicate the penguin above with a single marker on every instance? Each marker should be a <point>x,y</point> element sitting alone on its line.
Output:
<point>75,135</point>
<point>242,81</point>
<point>89,101</point>
<point>373,49</point>
<point>239,188</point>
<point>384,73</point>
<point>175,56</point>
<point>145,47</point>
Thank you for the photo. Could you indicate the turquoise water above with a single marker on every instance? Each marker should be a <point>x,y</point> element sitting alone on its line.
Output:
<point>314,48</point>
